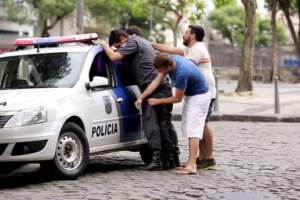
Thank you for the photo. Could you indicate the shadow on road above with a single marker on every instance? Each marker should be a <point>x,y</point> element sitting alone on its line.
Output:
<point>20,175</point>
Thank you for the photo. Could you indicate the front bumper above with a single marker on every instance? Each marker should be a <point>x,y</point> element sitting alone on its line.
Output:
<point>29,143</point>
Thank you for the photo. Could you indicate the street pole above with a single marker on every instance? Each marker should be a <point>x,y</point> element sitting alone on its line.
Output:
<point>232,33</point>
<point>79,16</point>
<point>216,104</point>
<point>232,29</point>
<point>277,102</point>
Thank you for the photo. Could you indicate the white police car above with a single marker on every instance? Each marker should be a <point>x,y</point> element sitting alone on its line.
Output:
<point>61,104</point>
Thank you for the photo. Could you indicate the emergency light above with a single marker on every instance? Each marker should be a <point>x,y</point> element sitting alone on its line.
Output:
<point>56,40</point>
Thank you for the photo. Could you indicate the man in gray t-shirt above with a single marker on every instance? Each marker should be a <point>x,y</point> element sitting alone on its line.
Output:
<point>139,55</point>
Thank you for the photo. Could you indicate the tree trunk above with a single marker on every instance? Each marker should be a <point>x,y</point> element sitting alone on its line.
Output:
<point>45,29</point>
<point>245,76</point>
<point>175,38</point>
<point>179,17</point>
<point>286,12</point>
<point>274,70</point>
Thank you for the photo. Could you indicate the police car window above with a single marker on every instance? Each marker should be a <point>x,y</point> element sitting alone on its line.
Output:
<point>98,67</point>
<point>126,75</point>
<point>41,70</point>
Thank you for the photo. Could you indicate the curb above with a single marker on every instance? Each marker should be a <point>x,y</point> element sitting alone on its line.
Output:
<point>248,118</point>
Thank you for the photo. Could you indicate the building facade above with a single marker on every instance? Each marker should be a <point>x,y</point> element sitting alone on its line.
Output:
<point>9,31</point>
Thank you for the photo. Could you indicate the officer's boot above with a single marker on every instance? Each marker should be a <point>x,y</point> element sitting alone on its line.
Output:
<point>176,157</point>
<point>165,161</point>
<point>155,164</point>
<point>171,161</point>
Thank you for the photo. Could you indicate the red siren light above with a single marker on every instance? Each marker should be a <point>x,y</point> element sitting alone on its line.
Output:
<point>56,40</point>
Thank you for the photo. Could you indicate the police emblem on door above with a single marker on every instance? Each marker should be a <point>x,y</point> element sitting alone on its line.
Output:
<point>107,104</point>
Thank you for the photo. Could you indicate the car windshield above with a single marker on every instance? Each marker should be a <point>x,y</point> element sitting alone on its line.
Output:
<point>40,70</point>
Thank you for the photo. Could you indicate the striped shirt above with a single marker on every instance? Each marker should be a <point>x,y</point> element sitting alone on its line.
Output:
<point>199,55</point>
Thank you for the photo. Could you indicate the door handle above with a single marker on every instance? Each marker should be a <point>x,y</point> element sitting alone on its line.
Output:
<point>120,100</point>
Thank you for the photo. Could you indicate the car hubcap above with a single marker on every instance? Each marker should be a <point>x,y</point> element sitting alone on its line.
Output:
<point>69,151</point>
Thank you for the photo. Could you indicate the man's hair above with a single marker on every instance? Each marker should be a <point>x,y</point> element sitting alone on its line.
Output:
<point>162,60</point>
<point>198,31</point>
<point>134,30</point>
<point>114,36</point>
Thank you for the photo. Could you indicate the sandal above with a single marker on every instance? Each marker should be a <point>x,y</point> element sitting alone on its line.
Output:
<point>186,172</point>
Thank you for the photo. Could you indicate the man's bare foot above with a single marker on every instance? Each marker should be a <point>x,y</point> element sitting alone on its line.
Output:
<point>181,166</point>
<point>187,171</point>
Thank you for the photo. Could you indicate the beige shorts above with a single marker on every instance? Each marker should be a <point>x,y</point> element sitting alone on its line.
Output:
<point>194,113</point>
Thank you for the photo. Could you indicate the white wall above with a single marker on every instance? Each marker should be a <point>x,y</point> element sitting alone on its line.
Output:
<point>67,26</point>
<point>61,28</point>
<point>10,26</point>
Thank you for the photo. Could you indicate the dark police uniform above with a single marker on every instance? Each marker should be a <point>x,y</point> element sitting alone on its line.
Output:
<point>156,120</point>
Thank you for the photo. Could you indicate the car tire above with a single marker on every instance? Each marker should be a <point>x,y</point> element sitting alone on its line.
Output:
<point>146,154</point>
<point>71,154</point>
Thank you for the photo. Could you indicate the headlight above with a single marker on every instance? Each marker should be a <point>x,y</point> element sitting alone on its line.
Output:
<point>27,117</point>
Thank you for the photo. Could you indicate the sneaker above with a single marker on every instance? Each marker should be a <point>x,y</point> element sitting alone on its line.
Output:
<point>206,164</point>
<point>198,162</point>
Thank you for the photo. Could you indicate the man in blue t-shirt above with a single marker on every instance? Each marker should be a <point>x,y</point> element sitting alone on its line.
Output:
<point>191,86</point>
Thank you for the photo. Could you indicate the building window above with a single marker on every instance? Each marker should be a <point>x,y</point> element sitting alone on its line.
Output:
<point>14,33</point>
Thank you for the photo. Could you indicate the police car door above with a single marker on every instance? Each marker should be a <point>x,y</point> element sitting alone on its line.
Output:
<point>103,108</point>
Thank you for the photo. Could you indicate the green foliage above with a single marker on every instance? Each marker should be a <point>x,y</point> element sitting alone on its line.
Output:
<point>265,25</point>
<point>226,16</point>
<point>221,3</point>
<point>179,9</point>
<point>119,13</point>
<point>23,14</point>
<point>290,4</point>
<point>38,10</point>
<point>196,16</point>
<point>114,10</point>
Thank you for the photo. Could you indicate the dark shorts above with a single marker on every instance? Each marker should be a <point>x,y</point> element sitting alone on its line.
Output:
<point>210,110</point>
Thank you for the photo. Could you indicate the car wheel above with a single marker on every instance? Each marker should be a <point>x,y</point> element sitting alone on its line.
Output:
<point>71,155</point>
<point>146,154</point>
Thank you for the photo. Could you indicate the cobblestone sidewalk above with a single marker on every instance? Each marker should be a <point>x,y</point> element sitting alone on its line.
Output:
<point>251,157</point>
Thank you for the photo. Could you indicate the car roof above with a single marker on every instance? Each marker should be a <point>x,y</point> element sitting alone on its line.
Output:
<point>62,48</point>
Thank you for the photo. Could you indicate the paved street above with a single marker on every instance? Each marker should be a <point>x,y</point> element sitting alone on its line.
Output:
<point>252,157</point>
<point>260,101</point>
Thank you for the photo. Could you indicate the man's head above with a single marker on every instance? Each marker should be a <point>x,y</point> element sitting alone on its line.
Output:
<point>118,38</point>
<point>163,63</point>
<point>134,30</point>
<point>194,33</point>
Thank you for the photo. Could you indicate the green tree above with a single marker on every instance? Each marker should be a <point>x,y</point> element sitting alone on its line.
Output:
<point>40,11</point>
<point>117,12</point>
<point>170,13</point>
<point>221,3</point>
<point>265,25</point>
<point>222,18</point>
<point>130,12</point>
<point>289,8</point>
<point>245,83</point>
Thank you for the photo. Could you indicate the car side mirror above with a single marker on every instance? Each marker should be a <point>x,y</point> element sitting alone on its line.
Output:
<point>98,81</point>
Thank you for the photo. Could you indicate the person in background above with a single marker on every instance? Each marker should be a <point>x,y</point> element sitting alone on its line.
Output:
<point>191,86</point>
<point>134,30</point>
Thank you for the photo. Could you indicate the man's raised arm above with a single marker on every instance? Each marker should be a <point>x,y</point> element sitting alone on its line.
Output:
<point>167,48</point>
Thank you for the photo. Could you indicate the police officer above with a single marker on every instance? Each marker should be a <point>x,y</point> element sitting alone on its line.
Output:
<point>140,55</point>
<point>174,154</point>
